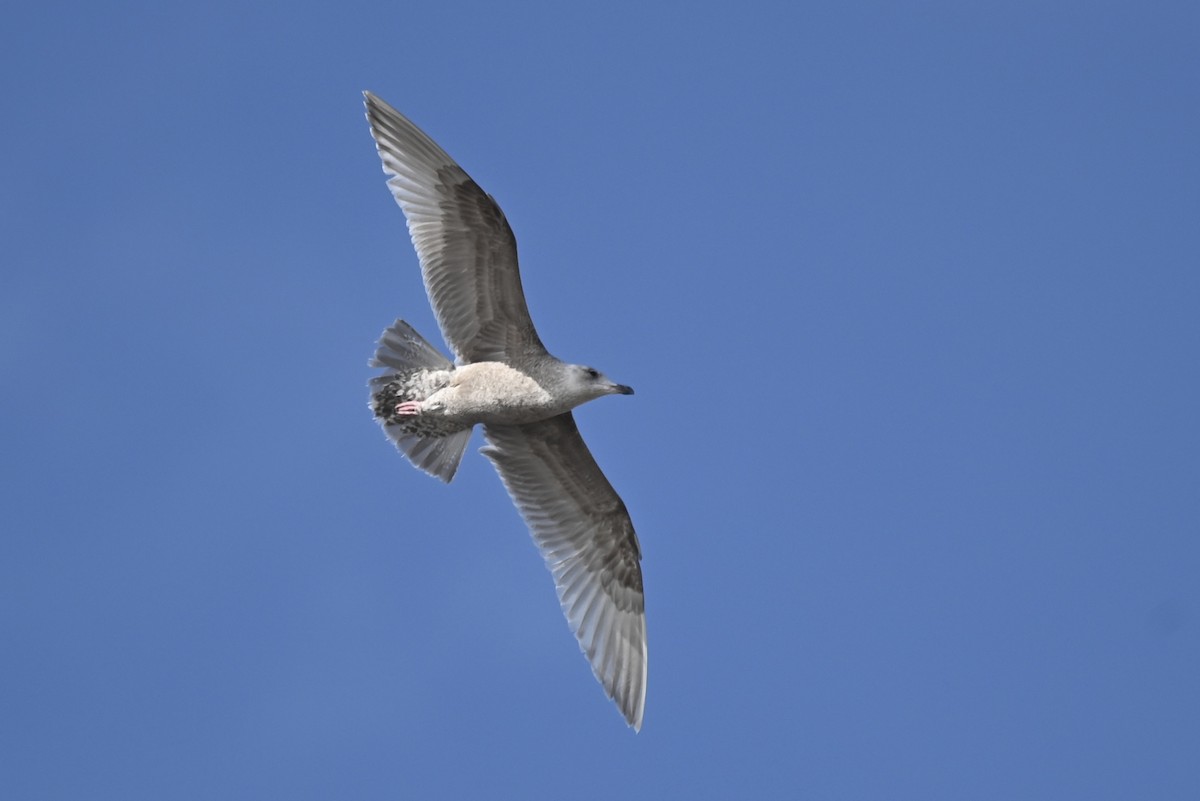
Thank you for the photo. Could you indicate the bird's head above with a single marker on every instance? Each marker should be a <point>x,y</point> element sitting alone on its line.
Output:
<point>588,383</point>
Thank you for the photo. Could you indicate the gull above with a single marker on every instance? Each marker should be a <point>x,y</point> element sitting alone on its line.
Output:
<point>504,379</point>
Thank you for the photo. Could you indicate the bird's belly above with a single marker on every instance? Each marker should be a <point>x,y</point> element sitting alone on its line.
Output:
<point>492,392</point>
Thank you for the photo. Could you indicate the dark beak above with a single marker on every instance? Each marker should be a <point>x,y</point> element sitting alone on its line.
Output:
<point>623,390</point>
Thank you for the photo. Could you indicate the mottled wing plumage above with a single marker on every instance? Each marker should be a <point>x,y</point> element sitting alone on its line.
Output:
<point>585,535</point>
<point>467,250</point>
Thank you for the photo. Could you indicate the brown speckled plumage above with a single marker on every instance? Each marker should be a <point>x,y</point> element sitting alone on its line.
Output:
<point>414,385</point>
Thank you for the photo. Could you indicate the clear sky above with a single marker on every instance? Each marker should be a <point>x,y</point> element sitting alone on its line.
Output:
<point>910,296</point>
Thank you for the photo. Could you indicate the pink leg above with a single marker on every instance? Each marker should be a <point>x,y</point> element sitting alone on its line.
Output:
<point>408,408</point>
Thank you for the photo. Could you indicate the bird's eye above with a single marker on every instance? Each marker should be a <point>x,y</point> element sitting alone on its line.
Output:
<point>592,372</point>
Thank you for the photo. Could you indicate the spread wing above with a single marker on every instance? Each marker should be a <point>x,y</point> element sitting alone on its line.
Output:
<point>468,253</point>
<point>585,535</point>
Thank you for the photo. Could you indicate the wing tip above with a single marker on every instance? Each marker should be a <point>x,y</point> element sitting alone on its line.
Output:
<point>636,714</point>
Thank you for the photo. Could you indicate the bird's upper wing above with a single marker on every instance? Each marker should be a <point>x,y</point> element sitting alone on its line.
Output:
<point>468,253</point>
<point>585,535</point>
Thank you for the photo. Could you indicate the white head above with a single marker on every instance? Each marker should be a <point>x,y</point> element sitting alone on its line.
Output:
<point>587,383</point>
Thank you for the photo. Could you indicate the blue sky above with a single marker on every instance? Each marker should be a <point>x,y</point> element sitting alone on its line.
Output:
<point>910,295</point>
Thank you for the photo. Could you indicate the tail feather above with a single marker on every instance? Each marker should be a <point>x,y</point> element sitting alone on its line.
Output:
<point>405,353</point>
<point>402,348</point>
<point>437,456</point>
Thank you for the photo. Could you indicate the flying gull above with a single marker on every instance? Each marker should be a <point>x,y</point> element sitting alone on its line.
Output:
<point>504,378</point>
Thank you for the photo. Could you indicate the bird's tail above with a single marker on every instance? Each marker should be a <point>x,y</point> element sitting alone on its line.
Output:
<point>406,357</point>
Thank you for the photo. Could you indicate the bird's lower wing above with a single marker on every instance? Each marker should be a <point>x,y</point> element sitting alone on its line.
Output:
<point>585,535</point>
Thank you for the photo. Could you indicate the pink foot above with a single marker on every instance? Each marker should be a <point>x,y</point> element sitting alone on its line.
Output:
<point>408,408</point>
